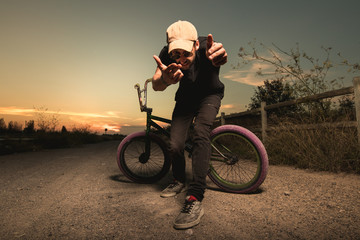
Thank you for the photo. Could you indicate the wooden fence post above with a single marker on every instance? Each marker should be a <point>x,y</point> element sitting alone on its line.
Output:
<point>263,121</point>
<point>222,119</point>
<point>356,82</point>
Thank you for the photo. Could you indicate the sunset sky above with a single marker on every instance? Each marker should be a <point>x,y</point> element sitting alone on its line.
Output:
<point>80,59</point>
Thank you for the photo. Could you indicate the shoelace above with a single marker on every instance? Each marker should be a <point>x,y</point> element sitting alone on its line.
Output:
<point>172,185</point>
<point>188,207</point>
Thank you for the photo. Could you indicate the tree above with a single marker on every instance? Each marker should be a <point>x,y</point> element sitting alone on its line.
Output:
<point>14,127</point>
<point>2,125</point>
<point>63,129</point>
<point>29,127</point>
<point>305,75</point>
<point>272,92</point>
<point>347,108</point>
<point>46,121</point>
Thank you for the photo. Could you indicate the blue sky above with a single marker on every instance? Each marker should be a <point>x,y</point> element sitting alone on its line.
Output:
<point>81,59</point>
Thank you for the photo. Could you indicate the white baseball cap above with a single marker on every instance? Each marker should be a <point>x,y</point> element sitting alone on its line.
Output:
<point>181,35</point>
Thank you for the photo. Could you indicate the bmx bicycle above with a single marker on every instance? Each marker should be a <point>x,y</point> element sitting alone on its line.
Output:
<point>238,163</point>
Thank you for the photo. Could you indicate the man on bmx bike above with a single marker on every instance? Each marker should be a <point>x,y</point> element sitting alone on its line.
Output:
<point>194,63</point>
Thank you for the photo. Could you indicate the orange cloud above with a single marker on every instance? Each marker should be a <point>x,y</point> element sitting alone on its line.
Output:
<point>17,111</point>
<point>30,112</point>
<point>227,106</point>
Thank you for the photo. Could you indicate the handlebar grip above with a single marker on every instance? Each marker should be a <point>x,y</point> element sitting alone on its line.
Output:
<point>137,86</point>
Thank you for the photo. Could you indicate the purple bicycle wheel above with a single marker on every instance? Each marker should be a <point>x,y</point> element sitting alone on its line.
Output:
<point>239,162</point>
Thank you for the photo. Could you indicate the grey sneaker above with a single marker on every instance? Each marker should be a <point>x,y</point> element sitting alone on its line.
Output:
<point>173,189</point>
<point>190,214</point>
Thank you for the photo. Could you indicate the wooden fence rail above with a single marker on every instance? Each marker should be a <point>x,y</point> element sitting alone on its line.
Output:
<point>355,89</point>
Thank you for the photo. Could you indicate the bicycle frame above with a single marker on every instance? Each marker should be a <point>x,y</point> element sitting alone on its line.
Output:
<point>142,96</point>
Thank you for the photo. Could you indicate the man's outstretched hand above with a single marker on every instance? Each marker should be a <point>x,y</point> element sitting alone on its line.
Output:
<point>215,52</point>
<point>170,74</point>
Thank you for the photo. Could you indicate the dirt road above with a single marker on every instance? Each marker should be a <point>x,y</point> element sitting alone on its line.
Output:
<point>80,194</point>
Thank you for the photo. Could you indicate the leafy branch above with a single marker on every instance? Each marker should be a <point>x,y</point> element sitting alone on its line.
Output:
<point>303,74</point>
<point>308,75</point>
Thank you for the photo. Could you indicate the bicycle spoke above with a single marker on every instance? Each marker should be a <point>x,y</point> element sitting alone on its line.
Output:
<point>233,160</point>
<point>152,166</point>
<point>218,151</point>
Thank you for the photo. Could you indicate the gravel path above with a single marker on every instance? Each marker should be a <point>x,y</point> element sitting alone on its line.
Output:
<point>80,193</point>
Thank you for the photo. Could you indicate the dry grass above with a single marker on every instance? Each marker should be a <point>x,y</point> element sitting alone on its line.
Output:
<point>324,148</point>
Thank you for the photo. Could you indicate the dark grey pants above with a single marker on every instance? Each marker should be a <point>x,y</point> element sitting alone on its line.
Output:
<point>203,114</point>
